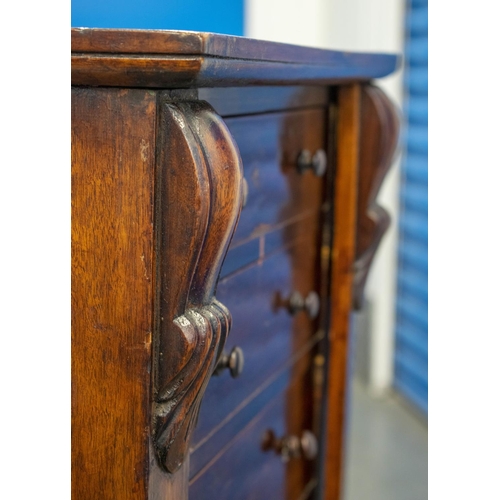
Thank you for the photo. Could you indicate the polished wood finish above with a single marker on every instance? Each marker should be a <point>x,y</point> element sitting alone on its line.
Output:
<point>192,71</point>
<point>113,145</point>
<point>379,128</point>
<point>263,245</point>
<point>191,214</point>
<point>234,101</point>
<point>269,340</point>
<point>243,469</point>
<point>199,162</point>
<point>343,252</point>
<point>169,59</point>
<point>118,41</point>
<point>270,145</point>
<point>211,444</point>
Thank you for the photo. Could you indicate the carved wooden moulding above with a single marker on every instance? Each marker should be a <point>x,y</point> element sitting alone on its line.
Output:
<point>198,162</point>
<point>379,128</point>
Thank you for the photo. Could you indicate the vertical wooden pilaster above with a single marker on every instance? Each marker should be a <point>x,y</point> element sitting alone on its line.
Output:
<point>343,254</point>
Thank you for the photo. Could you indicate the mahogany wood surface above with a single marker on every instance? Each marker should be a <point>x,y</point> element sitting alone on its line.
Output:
<point>234,101</point>
<point>169,59</point>
<point>283,235</point>
<point>379,134</point>
<point>165,260</point>
<point>130,41</point>
<point>269,145</point>
<point>290,205</point>
<point>192,71</point>
<point>113,145</point>
<point>210,445</point>
<point>343,253</point>
<point>269,339</point>
<point>242,470</point>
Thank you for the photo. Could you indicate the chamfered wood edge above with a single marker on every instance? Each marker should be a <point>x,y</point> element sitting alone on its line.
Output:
<point>159,71</point>
<point>379,128</point>
<point>199,162</point>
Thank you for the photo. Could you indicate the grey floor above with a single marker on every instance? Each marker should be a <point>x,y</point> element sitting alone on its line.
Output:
<point>386,453</point>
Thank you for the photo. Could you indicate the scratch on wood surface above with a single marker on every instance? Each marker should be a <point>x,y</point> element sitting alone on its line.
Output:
<point>144,150</point>
<point>144,266</point>
<point>261,249</point>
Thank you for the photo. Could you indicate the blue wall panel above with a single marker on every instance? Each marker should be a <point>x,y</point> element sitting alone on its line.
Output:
<point>217,16</point>
<point>411,354</point>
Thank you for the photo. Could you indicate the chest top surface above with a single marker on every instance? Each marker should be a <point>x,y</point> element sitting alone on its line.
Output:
<point>159,58</point>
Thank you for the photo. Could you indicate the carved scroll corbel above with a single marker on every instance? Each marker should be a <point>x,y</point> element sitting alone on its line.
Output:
<point>199,200</point>
<point>379,128</point>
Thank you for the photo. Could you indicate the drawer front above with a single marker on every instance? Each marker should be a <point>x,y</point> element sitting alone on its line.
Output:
<point>244,470</point>
<point>275,252</point>
<point>268,334</point>
<point>237,101</point>
<point>277,239</point>
<point>278,194</point>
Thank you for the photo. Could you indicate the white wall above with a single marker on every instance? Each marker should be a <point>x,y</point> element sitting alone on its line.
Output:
<point>358,25</point>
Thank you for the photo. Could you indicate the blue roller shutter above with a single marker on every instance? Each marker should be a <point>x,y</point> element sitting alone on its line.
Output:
<point>410,370</point>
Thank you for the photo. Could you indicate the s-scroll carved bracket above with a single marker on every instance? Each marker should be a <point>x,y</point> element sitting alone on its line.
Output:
<point>379,129</point>
<point>199,198</point>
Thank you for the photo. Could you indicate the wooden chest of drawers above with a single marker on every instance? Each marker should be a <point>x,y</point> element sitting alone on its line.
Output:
<point>223,223</point>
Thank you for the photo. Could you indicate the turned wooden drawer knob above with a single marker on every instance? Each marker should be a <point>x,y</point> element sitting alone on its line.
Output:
<point>310,304</point>
<point>234,362</point>
<point>316,162</point>
<point>305,446</point>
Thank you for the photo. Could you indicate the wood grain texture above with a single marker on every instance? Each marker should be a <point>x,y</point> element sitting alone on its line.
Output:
<point>167,59</point>
<point>127,41</point>
<point>283,214</point>
<point>204,450</point>
<point>241,469</point>
<point>343,252</point>
<point>269,145</point>
<point>113,144</point>
<point>198,204</point>
<point>269,339</point>
<point>257,249</point>
<point>158,71</point>
<point>157,194</point>
<point>379,127</point>
<point>236,101</point>
<point>136,41</point>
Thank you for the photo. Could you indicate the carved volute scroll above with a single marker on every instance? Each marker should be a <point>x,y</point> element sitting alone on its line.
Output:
<point>199,198</point>
<point>379,128</point>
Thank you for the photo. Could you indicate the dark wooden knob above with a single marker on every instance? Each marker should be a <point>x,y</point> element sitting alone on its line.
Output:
<point>316,162</point>
<point>234,362</point>
<point>310,304</point>
<point>305,446</point>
